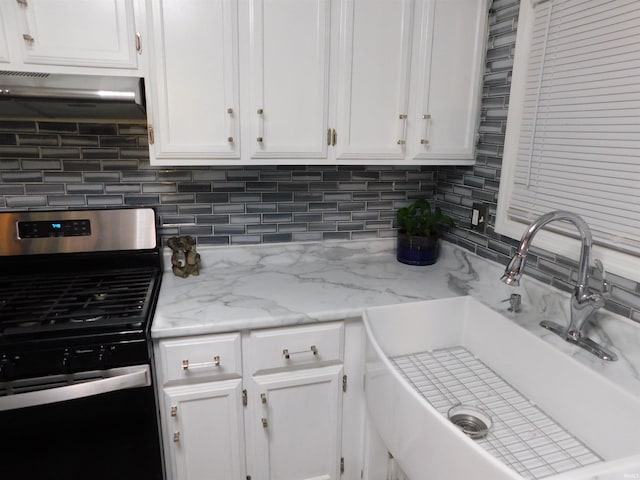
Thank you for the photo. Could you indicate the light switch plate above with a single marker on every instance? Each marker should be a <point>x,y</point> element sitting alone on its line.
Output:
<point>479,217</point>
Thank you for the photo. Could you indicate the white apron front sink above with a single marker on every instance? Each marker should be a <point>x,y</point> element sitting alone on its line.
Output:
<point>551,416</point>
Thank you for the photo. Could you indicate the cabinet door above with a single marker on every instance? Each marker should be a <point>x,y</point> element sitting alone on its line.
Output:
<point>294,425</point>
<point>449,54</point>
<point>97,33</point>
<point>204,431</point>
<point>288,78</point>
<point>4,43</point>
<point>194,80</point>
<point>373,78</point>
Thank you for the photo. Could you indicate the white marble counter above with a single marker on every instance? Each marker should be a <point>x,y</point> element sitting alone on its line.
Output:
<point>262,286</point>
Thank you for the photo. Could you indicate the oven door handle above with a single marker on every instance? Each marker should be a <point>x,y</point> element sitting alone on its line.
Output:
<point>115,379</point>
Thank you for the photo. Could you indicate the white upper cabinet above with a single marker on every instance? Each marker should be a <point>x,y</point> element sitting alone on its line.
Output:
<point>287,77</point>
<point>372,93</point>
<point>4,44</point>
<point>448,62</point>
<point>193,100</point>
<point>70,33</point>
<point>319,81</point>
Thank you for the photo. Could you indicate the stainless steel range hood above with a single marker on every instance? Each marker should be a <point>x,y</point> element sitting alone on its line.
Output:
<point>70,97</point>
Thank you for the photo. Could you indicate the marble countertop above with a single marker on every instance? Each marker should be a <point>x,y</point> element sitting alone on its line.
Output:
<point>261,286</point>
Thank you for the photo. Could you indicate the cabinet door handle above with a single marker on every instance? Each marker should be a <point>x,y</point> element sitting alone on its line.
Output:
<point>260,137</point>
<point>186,365</point>
<point>265,424</point>
<point>427,129</point>
<point>176,437</point>
<point>23,3</point>
<point>28,38</point>
<point>174,410</point>
<point>263,398</point>
<point>229,123</point>
<point>287,354</point>
<point>402,129</point>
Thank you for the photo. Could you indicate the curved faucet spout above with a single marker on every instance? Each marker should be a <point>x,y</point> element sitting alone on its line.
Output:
<point>584,304</point>
<point>516,267</point>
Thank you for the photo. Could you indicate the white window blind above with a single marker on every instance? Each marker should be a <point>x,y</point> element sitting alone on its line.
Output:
<point>579,141</point>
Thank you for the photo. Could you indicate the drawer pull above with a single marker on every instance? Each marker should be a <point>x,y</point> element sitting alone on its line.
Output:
<point>186,365</point>
<point>263,398</point>
<point>265,424</point>
<point>176,437</point>
<point>287,354</point>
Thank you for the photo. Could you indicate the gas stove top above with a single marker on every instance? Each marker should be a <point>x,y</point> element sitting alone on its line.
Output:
<point>52,303</point>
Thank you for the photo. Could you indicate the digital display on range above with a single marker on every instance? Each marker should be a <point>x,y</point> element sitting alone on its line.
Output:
<point>46,229</point>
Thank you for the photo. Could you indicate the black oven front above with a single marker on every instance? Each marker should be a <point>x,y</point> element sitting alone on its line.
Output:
<point>96,425</point>
<point>77,294</point>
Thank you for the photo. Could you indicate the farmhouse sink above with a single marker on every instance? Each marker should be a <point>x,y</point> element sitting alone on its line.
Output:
<point>536,411</point>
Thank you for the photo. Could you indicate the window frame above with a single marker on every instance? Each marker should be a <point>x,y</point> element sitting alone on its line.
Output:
<point>623,263</point>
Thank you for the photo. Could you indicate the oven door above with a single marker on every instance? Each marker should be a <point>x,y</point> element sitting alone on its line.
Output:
<point>94,428</point>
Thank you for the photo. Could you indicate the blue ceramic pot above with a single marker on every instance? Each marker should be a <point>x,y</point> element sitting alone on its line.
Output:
<point>414,250</point>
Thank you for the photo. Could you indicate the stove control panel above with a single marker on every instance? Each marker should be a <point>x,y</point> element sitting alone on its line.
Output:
<point>55,228</point>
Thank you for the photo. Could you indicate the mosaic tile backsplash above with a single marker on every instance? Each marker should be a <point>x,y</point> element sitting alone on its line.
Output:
<point>48,164</point>
<point>70,165</point>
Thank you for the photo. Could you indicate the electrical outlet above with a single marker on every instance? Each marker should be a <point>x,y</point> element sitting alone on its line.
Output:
<point>479,217</point>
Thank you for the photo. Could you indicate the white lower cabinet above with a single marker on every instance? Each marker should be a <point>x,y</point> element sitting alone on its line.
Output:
<point>204,431</point>
<point>294,424</point>
<point>260,405</point>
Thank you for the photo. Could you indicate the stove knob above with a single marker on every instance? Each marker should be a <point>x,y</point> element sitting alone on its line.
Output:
<point>7,368</point>
<point>67,361</point>
<point>104,357</point>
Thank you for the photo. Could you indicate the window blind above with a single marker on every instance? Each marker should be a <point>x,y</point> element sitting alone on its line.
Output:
<point>579,143</point>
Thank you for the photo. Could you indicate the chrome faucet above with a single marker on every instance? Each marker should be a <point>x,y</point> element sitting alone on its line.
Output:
<point>584,303</point>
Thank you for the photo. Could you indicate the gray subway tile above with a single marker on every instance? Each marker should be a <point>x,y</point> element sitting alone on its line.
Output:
<point>277,237</point>
<point>229,230</point>
<point>25,202</point>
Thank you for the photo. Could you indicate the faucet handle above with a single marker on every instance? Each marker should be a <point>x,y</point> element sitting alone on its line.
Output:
<point>604,285</point>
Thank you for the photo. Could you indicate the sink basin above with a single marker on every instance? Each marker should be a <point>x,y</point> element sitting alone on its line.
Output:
<point>550,415</point>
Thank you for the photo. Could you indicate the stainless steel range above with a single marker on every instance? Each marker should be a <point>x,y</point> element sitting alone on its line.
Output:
<point>77,295</point>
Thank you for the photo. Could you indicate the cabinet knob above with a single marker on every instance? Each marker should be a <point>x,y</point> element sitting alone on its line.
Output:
<point>28,38</point>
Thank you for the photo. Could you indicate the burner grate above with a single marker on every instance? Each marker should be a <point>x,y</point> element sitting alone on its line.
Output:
<point>67,300</point>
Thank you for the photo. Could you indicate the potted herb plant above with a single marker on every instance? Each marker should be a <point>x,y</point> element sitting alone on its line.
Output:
<point>419,232</point>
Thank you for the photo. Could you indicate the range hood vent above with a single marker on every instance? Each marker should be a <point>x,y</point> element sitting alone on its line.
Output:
<point>70,97</point>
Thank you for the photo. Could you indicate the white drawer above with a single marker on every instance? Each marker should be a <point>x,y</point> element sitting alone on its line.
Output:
<point>200,358</point>
<point>302,346</point>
